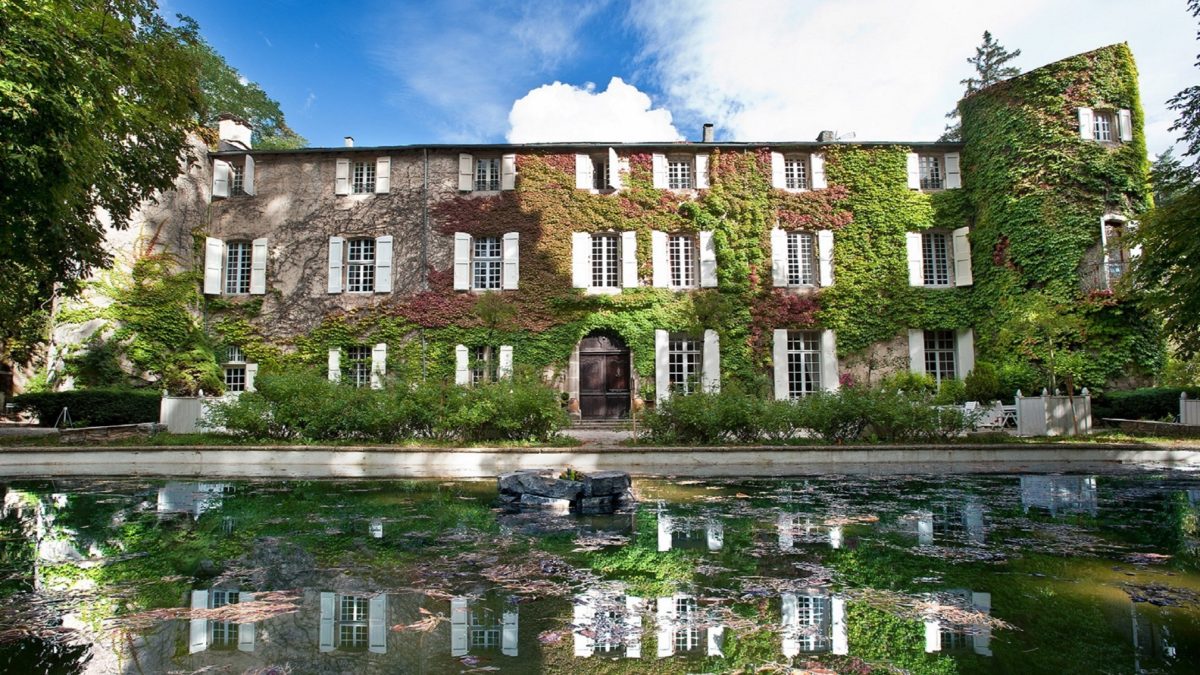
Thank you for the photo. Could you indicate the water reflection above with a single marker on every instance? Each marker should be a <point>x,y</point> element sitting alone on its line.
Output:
<point>191,498</point>
<point>478,626</point>
<point>814,621</point>
<point>794,528</point>
<point>1059,494</point>
<point>677,532</point>
<point>206,633</point>
<point>941,635</point>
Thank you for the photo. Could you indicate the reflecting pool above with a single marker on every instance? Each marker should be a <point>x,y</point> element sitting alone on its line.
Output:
<point>850,574</point>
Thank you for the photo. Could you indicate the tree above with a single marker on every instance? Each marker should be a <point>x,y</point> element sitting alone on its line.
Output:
<point>989,61</point>
<point>96,100</point>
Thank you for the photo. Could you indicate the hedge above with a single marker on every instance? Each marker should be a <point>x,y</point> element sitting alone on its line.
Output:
<point>1150,403</point>
<point>93,407</point>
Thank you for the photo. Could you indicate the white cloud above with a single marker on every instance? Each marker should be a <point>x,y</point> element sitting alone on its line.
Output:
<point>562,112</point>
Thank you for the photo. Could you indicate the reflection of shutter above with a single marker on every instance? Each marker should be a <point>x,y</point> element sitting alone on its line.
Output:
<point>335,265</point>
<point>258,267</point>
<point>825,257</point>
<point>701,172</point>
<point>791,625</point>
<point>583,620</point>
<point>953,174</point>
<point>1125,124</point>
<point>221,174</point>
<point>710,372</point>
<point>983,639</point>
<point>377,624</point>
<point>466,173</point>
<point>251,373</point>
<point>383,175</point>
<point>462,261</point>
<point>714,534</point>
<point>916,259</point>
<point>664,533</point>
<point>777,175</point>
<point>383,264</point>
<point>508,633</point>
<point>614,170</point>
<point>964,342</point>
<point>214,261</point>
<point>778,257</point>
<point>335,365</point>
<point>581,259</point>
<point>708,260</point>
<point>1086,124</point>
<point>511,253</point>
<point>962,258</point>
<point>914,171</point>
<point>341,183</point>
<point>633,627</point>
<point>837,613</point>
<point>817,159</point>
<point>508,172</point>
<point>248,177</point>
<point>326,626</point>
<point>933,632</point>
<point>198,628</point>
<point>505,367</point>
<point>583,172</point>
<point>378,365</point>
<point>462,365</point>
<point>716,640</point>
<point>658,168</point>
<point>246,630</point>
<point>659,260</point>
<point>629,277</point>
<point>662,381</point>
<point>666,626</point>
<point>829,362</point>
<point>779,355</point>
<point>458,627</point>
<point>916,351</point>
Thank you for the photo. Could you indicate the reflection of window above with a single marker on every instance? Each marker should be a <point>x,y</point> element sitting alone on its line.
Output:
<point>487,174</point>
<point>683,363</point>
<point>352,622</point>
<point>935,258</point>
<point>800,259</point>
<point>687,635</point>
<point>237,267</point>
<point>484,632</point>
<point>810,609</point>
<point>803,363</point>
<point>608,631</point>
<point>486,263</point>
<point>681,251</point>
<point>605,261</point>
<point>360,266</point>
<point>939,354</point>
<point>222,633</point>
<point>359,357</point>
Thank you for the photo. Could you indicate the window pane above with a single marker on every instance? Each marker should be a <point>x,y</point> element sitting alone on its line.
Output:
<point>681,252</point>
<point>936,263</point>
<point>1102,127</point>
<point>795,176</point>
<point>360,265</point>
<point>683,364</point>
<point>803,363</point>
<point>363,177</point>
<point>237,267</point>
<point>605,261</point>
<point>486,263</point>
<point>359,357</point>
<point>487,174</point>
<point>237,180</point>
<point>800,267</point>
<point>939,354</point>
<point>235,378</point>
<point>599,173</point>
<point>931,172</point>
<point>679,174</point>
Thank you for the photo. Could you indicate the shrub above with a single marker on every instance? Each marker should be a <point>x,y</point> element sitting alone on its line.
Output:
<point>93,407</point>
<point>1150,403</point>
<point>951,392</point>
<point>983,384</point>
<point>517,409</point>
<point>837,417</point>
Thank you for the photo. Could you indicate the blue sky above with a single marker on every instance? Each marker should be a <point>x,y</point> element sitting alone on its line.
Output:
<point>392,73</point>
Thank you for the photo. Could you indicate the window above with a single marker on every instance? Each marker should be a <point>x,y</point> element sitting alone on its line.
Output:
<point>223,633</point>
<point>237,180</point>
<point>681,251</point>
<point>935,258</point>
<point>810,611</point>
<point>795,173</point>
<point>484,631</point>
<point>803,363</point>
<point>360,267</point>
<point>487,174</point>
<point>605,261</point>
<point>235,370</point>
<point>359,357</point>
<point>687,636</point>
<point>486,263</point>
<point>939,354</point>
<point>683,364</point>
<point>679,173</point>
<point>1116,254</point>
<point>237,267</point>
<point>932,174</point>
<point>600,173</point>
<point>352,622</point>
<point>801,267</point>
<point>362,178</point>
<point>483,364</point>
<point>1102,126</point>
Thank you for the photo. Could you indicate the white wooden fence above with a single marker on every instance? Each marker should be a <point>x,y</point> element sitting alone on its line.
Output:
<point>182,415</point>
<point>1054,415</point>
<point>1189,410</point>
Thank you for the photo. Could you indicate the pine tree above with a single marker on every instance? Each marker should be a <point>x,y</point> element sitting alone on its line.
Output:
<point>989,61</point>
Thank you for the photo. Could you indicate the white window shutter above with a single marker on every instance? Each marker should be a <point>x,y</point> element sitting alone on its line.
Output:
<point>825,257</point>
<point>916,351</point>
<point>633,627</point>
<point>710,371</point>
<point>914,171</point>
<point>462,261</point>
<point>581,259</point>
<point>583,172</point>
<point>378,365</point>
<point>583,617</point>
<point>817,162</point>
<point>383,264</point>
<point>701,172</point>
<point>916,259</point>
<point>251,374</point>
<point>933,636</point>
<point>837,611</point>
<point>466,173</point>
<point>458,627</point>
<point>629,277</point>
<point>777,174</point>
<point>325,630</point>
<point>1125,124</point>
<point>658,167</point>
<point>505,367</point>
<point>614,170</point>
<point>221,173</point>
<point>248,177</point>
<point>383,175</point>
<point>662,379</point>
<point>198,628</point>
<point>778,257</point>
<point>953,174</point>
<point>829,362</point>
<point>659,260</point>
<point>962,258</point>
<point>964,352</point>
<point>335,264</point>
<point>462,365</point>
<point>341,183</point>
<point>1086,124</point>
<point>780,364</point>
<point>508,172</point>
<point>258,266</point>
<point>511,252</point>
<point>214,265</point>
<point>335,365</point>
<point>377,628</point>
<point>665,622</point>
<point>708,260</point>
<point>508,632</point>
<point>246,630</point>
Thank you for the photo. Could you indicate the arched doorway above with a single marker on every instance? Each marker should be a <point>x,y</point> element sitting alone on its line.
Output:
<point>604,378</point>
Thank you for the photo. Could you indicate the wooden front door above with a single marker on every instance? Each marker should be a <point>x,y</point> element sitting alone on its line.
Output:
<point>604,379</point>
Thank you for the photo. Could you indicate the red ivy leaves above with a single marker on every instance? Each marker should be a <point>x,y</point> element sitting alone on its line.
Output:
<point>780,309</point>
<point>815,209</point>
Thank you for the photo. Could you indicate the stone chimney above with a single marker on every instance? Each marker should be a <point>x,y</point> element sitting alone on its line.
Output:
<point>706,136</point>
<point>826,137</point>
<point>233,132</point>
<point>348,141</point>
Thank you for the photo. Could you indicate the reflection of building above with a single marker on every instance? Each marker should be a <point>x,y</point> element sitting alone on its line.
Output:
<point>608,622</point>
<point>686,533</point>
<point>191,498</point>
<point>208,634</point>
<point>792,531</point>
<point>1059,494</point>
<point>814,621</point>
<point>474,627</point>
<point>942,637</point>
<point>353,622</point>
<point>683,630</point>
<point>946,524</point>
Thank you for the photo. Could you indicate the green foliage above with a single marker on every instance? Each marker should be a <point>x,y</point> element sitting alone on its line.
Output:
<point>989,60</point>
<point>98,364</point>
<point>983,384</point>
<point>93,407</point>
<point>951,392</point>
<point>1152,403</point>
<point>879,637</point>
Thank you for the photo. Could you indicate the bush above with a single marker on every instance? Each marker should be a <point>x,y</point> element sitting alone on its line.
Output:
<point>983,384</point>
<point>93,407</point>
<point>951,392</point>
<point>1150,403</point>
